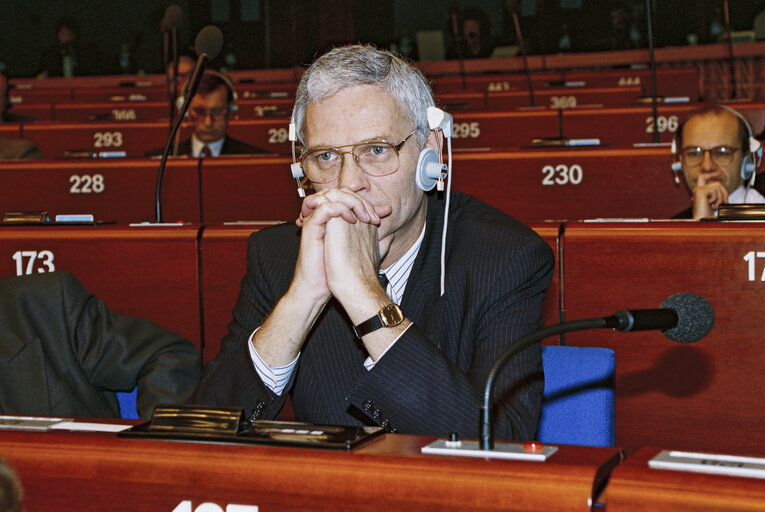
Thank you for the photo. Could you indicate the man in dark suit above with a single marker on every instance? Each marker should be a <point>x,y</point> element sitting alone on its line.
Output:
<point>63,353</point>
<point>209,112</point>
<point>312,319</point>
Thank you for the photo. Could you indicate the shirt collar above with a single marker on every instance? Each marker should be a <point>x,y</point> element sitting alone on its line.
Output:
<point>398,272</point>
<point>197,145</point>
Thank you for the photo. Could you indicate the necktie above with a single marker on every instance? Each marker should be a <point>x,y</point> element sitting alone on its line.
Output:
<point>205,151</point>
<point>383,280</point>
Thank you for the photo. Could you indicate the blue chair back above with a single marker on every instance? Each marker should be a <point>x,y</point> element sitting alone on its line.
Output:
<point>128,405</point>
<point>578,400</point>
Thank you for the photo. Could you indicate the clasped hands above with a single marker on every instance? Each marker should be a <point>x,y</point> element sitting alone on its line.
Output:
<point>340,248</point>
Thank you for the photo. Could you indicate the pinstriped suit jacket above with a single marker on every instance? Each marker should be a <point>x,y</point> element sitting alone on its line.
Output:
<point>431,381</point>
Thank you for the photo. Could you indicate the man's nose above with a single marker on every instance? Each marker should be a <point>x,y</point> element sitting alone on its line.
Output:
<point>707,164</point>
<point>351,176</point>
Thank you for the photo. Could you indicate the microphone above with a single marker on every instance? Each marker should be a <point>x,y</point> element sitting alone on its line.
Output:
<point>683,317</point>
<point>208,45</point>
<point>522,48</point>
<point>172,19</point>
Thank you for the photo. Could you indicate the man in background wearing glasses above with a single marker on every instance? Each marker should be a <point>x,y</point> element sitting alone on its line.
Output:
<point>344,313</point>
<point>714,146</point>
<point>209,112</point>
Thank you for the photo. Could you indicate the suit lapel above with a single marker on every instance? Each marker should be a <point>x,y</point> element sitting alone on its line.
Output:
<point>422,301</point>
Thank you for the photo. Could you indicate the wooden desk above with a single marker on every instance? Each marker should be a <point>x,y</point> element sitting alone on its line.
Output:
<point>248,188</point>
<point>223,263</point>
<point>131,139</point>
<point>572,183</point>
<point>620,126</point>
<point>78,471</point>
<point>112,111</point>
<point>112,189</point>
<point>563,98</point>
<point>671,82</point>
<point>148,272</point>
<point>495,130</point>
<point>700,396</point>
<point>634,486</point>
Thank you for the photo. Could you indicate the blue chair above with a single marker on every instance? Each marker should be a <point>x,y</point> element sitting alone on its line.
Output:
<point>578,400</point>
<point>128,405</point>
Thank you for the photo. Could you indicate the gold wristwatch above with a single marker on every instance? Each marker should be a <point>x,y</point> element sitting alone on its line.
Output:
<point>388,316</point>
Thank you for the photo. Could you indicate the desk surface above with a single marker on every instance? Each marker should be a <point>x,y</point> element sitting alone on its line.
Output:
<point>634,486</point>
<point>386,474</point>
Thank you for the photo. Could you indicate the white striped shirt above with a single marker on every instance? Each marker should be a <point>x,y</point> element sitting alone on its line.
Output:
<point>276,379</point>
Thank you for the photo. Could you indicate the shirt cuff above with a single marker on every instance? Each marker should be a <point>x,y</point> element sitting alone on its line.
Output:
<point>275,379</point>
<point>368,362</point>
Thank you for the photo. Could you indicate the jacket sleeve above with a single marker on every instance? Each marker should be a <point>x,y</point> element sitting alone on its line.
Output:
<point>118,352</point>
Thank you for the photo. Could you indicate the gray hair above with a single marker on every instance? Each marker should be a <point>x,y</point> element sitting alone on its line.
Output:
<point>353,65</point>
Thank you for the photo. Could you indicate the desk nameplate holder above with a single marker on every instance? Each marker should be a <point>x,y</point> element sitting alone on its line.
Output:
<point>729,465</point>
<point>501,450</point>
<point>228,424</point>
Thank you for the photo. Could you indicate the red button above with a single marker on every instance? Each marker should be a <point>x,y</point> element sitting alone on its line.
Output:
<point>533,447</point>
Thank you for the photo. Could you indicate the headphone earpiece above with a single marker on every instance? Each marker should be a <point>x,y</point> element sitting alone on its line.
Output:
<point>430,169</point>
<point>751,161</point>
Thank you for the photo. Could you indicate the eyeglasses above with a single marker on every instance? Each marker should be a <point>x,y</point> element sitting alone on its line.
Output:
<point>376,158</point>
<point>721,155</point>
<point>215,114</point>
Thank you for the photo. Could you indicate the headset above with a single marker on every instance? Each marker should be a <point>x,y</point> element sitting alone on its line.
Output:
<point>232,106</point>
<point>431,170</point>
<point>749,165</point>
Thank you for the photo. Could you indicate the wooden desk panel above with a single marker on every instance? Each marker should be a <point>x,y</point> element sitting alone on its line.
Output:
<point>223,258</point>
<point>119,94</point>
<point>496,130</point>
<point>132,139</point>
<point>12,130</point>
<point>632,125</point>
<point>38,111</point>
<point>540,184</point>
<point>148,272</point>
<point>386,474</point>
<point>672,82</point>
<point>112,111</point>
<point>248,188</point>
<point>685,396</point>
<point>268,133</point>
<point>489,82</point>
<point>113,190</point>
<point>563,98</point>
<point>45,95</point>
<point>634,486</point>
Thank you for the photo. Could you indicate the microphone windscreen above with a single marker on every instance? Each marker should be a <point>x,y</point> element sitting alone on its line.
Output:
<point>695,317</point>
<point>173,18</point>
<point>209,41</point>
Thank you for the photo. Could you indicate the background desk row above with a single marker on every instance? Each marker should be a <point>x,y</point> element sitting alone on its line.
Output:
<point>473,129</point>
<point>530,185</point>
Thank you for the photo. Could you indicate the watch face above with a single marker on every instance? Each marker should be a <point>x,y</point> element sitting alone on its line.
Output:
<point>391,315</point>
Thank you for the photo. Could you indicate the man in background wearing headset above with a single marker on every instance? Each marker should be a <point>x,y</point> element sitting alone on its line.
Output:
<point>314,319</point>
<point>209,112</point>
<point>719,158</point>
